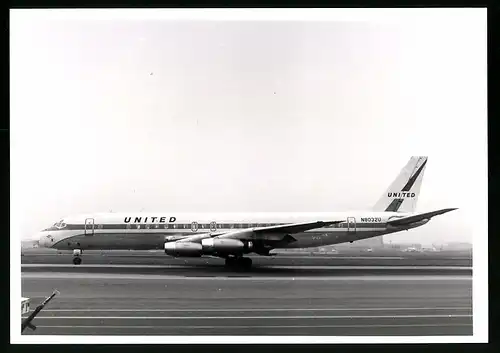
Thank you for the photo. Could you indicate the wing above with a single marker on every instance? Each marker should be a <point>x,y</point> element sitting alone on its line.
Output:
<point>418,217</point>
<point>276,232</point>
<point>270,233</point>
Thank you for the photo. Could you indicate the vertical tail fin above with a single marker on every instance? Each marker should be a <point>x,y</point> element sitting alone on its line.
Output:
<point>402,195</point>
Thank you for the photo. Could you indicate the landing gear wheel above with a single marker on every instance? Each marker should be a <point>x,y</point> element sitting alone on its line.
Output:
<point>76,256</point>
<point>230,261</point>
<point>246,262</point>
<point>243,262</point>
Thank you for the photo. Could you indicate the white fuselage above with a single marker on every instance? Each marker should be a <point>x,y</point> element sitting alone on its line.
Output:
<point>149,231</point>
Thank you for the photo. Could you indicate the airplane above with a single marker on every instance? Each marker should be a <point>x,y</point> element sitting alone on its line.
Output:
<point>232,235</point>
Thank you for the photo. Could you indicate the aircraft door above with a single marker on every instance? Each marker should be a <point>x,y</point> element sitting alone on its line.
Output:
<point>351,224</point>
<point>89,227</point>
<point>213,226</point>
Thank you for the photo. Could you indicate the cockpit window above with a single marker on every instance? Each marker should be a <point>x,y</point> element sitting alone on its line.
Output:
<point>60,224</point>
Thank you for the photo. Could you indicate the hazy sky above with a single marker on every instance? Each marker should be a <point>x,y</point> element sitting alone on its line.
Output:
<point>210,116</point>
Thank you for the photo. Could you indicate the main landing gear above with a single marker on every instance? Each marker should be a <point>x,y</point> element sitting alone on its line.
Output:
<point>243,262</point>
<point>77,259</point>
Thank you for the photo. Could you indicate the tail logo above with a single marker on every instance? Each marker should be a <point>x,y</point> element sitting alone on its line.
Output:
<point>401,194</point>
<point>398,200</point>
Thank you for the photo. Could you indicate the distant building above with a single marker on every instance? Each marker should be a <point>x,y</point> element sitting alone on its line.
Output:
<point>457,246</point>
<point>25,305</point>
<point>27,244</point>
<point>372,243</point>
<point>416,246</point>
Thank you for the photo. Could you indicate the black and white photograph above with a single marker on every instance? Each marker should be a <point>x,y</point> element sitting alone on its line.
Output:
<point>248,175</point>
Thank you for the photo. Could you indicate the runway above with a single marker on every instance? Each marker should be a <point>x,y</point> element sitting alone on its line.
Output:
<point>315,299</point>
<point>352,258</point>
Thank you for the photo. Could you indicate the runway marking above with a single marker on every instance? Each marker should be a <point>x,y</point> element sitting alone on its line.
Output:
<point>332,267</point>
<point>150,277</point>
<point>248,326</point>
<point>161,254</point>
<point>253,309</point>
<point>254,317</point>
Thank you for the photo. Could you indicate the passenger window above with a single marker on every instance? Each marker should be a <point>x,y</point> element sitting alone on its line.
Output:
<point>147,226</point>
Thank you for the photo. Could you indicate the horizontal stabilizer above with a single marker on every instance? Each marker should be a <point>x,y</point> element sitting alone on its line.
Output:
<point>418,217</point>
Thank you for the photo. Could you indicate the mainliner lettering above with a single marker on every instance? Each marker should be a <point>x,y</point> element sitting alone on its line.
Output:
<point>371,219</point>
<point>153,219</point>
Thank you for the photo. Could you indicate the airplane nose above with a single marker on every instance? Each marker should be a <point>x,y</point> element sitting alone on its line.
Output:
<point>43,240</point>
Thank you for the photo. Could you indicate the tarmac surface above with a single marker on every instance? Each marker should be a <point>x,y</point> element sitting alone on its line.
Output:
<point>117,293</point>
<point>351,258</point>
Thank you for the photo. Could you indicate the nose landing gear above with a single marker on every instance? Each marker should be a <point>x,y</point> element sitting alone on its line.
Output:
<point>77,253</point>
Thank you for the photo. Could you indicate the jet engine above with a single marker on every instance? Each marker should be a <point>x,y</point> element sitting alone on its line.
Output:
<point>183,249</point>
<point>174,237</point>
<point>227,246</point>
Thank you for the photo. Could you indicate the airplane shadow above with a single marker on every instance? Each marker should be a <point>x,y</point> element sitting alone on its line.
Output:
<point>261,270</point>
